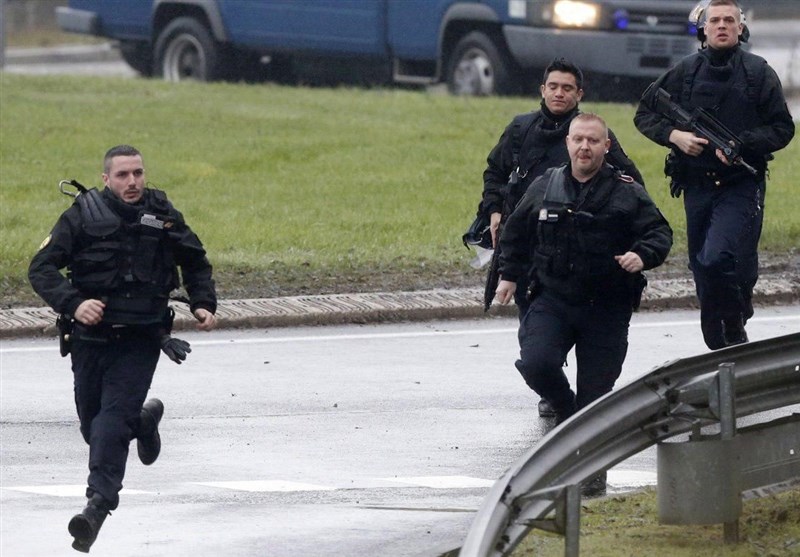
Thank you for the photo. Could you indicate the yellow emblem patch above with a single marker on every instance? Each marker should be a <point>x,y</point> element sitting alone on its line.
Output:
<point>45,242</point>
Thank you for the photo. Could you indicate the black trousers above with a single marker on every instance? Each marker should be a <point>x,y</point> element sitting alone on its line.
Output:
<point>723,227</point>
<point>521,296</point>
<point>551,328</point>
<point>112,375</point>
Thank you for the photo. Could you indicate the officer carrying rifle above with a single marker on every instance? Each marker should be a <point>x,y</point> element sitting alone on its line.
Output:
<point>722,113</point>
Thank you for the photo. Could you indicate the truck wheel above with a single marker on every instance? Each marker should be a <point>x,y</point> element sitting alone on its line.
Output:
<point>137,55</point>
<point>478,68</point>
<point>185,49</point>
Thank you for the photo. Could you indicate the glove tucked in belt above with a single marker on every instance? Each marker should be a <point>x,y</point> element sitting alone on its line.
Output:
<point>176,349</point>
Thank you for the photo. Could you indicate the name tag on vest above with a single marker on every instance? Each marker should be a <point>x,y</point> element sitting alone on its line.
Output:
<point>151,220</point>
<point>547,216</point>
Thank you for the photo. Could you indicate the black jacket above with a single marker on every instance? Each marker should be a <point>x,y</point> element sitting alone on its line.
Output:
<point>569,248</point>
<point>737,87</point>
<point>542,147</point>
<point>69,245</point>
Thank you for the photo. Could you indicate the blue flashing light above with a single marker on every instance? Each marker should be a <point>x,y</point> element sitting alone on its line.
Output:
<point>621,19</point>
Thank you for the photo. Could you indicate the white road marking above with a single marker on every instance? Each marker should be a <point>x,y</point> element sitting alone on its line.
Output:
<point>618,480</point>
<point>267,485</point>
<point>443,482</point>
<point>67,490</point>
<point>631,479</point>
<point>411,334</point>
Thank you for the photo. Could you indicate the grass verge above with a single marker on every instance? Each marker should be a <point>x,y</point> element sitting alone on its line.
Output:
<point>293,190</point>
<point>627,526</point>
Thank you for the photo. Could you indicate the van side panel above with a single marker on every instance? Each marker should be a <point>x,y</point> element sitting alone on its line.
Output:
<point>353,27</point>
<point>120,19</point>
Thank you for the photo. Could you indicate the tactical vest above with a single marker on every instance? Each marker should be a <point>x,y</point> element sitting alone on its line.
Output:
<point>540,155</point>
<point>577,241</point>
<point>126,264</point>
<point>730,93</point>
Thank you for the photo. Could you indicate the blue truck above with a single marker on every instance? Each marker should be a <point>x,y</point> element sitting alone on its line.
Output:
<point>476,47</point>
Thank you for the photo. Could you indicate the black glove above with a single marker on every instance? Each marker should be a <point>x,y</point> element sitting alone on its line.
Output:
<point>175,348</point>
<point>675,189</point>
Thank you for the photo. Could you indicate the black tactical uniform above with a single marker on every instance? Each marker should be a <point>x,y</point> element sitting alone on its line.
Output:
<point>565,235</point>
<point>125,255</point>
<point>724,204</point>
<point>539,138</point>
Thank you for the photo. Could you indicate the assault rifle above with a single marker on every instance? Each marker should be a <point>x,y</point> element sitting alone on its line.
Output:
<point>493,274</point>
<point>704,124</point>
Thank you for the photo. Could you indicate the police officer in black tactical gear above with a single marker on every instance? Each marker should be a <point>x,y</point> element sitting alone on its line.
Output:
<point>121,248</point>
<point>583,233</point>
<point>724,202</point>
<point>532,143</point>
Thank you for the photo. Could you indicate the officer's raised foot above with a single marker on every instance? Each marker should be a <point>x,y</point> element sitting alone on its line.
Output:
<point>148,443</point>
<point>85,526</point>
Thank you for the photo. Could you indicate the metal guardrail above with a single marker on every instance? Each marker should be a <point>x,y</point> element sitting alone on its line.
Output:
<point>674,398</point>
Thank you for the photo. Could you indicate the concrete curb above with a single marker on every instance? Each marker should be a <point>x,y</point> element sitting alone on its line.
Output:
<point>386,307</point>
<point>102,52</point>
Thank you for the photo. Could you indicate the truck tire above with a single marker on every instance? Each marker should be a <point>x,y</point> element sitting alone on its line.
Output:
<point>185,49</point>
<point>137,55</point>
<point>478,68</point>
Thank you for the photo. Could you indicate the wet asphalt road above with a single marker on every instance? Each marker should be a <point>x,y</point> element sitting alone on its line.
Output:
<point>329,441</point>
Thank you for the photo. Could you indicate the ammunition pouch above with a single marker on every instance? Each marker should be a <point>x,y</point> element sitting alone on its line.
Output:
<point>64,324</point>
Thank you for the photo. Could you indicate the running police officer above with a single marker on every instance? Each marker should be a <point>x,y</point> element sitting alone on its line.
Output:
<point>583,233</point>
<point>532,143</point>
<point>724,203</point>
<point>121,248</point>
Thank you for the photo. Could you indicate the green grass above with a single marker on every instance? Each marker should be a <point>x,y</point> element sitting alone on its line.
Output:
<point>292,189</point>
<point>627,526</point>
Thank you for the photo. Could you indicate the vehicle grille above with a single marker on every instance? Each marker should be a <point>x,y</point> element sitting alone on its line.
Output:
<point>658,46</point>
<point>653,21</point>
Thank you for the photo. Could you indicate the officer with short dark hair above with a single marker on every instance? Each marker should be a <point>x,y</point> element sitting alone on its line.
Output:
<point>724,202</point>
<point>122,248</point>
<point>532,143</point>
<point>583,233</point>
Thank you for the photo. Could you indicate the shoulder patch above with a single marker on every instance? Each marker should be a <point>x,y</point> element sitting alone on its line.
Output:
<point>45,242</point>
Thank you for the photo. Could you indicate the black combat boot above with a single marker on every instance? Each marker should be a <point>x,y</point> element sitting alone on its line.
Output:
<point>148,442</point>
<point>546,409</point>
<point>595,487</point>
<point>563,410</point>
<point>713,332</point>
<point>734,332</point>
<point>85,526</point>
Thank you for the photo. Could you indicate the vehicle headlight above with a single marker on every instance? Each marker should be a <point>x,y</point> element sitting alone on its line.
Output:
<point>571,13</point>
